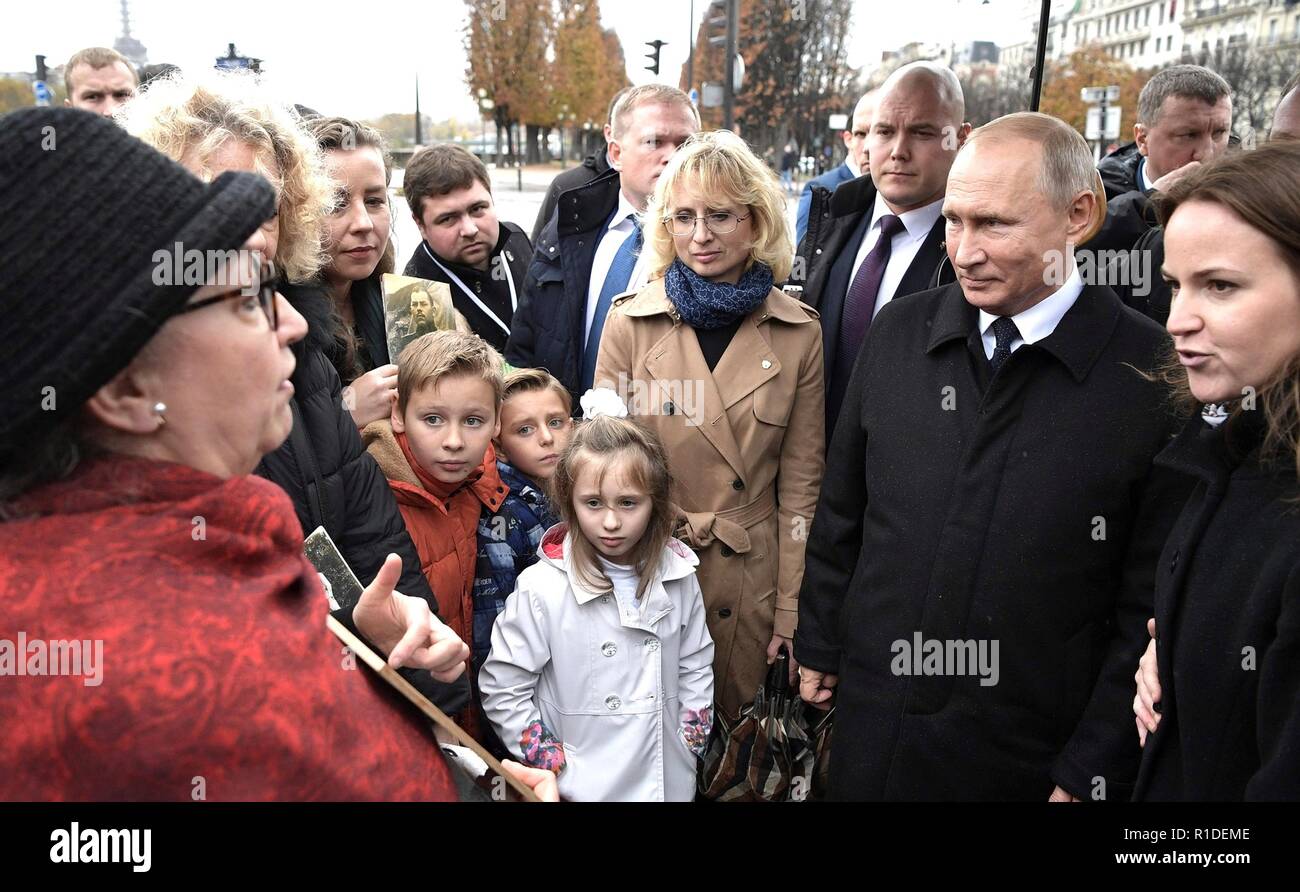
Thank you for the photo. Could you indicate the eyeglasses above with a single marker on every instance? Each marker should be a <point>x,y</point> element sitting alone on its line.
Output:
<point>268,285</point>
<point>719,224</point>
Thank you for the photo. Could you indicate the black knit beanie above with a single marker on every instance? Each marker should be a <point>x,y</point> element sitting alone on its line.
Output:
<point>84,209</point>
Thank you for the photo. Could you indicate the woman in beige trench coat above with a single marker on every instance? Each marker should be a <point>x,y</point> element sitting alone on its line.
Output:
<point>727,370</point>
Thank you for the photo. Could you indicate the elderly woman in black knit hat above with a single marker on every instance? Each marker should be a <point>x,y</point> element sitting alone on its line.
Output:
<point>131,530</point>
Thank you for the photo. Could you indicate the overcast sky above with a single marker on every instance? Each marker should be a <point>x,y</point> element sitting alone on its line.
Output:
<point>361,59</point>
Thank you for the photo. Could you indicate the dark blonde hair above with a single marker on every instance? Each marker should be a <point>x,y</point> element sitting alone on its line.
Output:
<point>533,380</point>
<point>720,167</point>
<point>344,135</point>
<point>605,440</point>
<point>1250,184</point>
<point>434,356</point>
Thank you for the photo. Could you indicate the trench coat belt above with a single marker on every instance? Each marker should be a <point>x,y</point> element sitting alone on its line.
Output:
<point>728,525</point>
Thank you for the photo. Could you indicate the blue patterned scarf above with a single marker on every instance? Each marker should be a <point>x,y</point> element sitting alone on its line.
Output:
<point>709,305</point>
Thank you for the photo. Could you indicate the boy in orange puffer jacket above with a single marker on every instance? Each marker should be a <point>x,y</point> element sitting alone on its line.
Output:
<point>436,451</point>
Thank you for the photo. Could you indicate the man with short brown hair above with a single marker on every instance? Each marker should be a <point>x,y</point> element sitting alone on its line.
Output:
<point>99,80</point>
<point>1184,120</point>
<point>482,259</point>
<point>589,250</point>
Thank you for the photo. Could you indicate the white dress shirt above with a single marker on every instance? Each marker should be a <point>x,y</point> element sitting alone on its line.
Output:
<point>620,228</point>
<point>1143,183</point>
<point>902,250</point>
<point>1038,321</point>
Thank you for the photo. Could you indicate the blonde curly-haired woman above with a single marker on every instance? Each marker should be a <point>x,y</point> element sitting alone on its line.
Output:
<point>230,121</point>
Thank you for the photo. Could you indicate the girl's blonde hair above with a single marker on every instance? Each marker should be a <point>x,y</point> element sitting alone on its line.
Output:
<point>718,166</point>
<point>190,119</point>
<point>604,441</point>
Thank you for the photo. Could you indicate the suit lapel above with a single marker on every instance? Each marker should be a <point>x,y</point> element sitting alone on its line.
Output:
<point>676,361</point>
<point>747,362</point>
<point>927,260</point>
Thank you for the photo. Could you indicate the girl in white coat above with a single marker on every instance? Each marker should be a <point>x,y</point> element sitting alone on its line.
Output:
<point>601,667</point>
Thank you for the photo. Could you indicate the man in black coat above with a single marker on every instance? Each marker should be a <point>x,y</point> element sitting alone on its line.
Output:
<point>482,260</point>
<point>569,289</point>
<point>846,268</point>
<point>1151,295</point>
<point>1184,119</point>
<point>333,482</point>
<point>979,570</point>
<point>591,167</point>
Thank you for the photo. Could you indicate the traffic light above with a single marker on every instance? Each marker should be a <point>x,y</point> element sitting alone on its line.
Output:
<point>716,19</point>
<point>653,55</point>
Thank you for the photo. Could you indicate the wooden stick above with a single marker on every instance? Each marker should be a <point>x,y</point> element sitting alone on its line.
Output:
<point>439,718</point>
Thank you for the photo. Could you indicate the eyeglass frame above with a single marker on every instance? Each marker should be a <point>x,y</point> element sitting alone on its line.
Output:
<point>668,221</point>
<point>267,295</point>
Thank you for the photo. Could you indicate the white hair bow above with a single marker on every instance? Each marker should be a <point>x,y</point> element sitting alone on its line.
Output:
<point>602,401</point>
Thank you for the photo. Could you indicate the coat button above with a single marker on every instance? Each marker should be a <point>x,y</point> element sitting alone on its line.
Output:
<point>767,363</point>
<point>604,599</point>
<point>613,702</point>
<point>726,551</point>
<point>609,648</point>
<point>652,644</point>
<point>1173,564</point>
<point>737,484</point>
<point>724,612</point>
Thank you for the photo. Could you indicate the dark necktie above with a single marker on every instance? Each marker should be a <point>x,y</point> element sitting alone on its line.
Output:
<point>616,281</point>
<point>1004,331</point>
<point>860,301</point>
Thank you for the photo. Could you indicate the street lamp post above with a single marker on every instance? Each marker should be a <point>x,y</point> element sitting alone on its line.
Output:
<point>485,107</point>
<point>564,115</point>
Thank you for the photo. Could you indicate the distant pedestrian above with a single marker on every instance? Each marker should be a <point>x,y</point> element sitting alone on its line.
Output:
<point>789,162</point>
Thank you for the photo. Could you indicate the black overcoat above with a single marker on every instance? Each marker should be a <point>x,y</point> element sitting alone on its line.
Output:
<point>1228,625</point>
<point>1020,510</point>
<point>550,323</point>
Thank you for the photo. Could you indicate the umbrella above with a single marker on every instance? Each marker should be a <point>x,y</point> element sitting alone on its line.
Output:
<point>774,751</point>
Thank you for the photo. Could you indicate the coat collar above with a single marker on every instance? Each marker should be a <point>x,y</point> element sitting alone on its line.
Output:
<point>748,363</point>
<point>1079,338</point>
<point>855,196</point>
<point>586,207</point>
<point>676,562</point>
<point>380,441</point>
<point>1212,453</point>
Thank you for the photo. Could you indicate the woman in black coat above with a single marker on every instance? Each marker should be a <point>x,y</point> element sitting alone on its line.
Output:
<point>230,124</point>
<point>1220,717</point>
<point>360,251</point>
